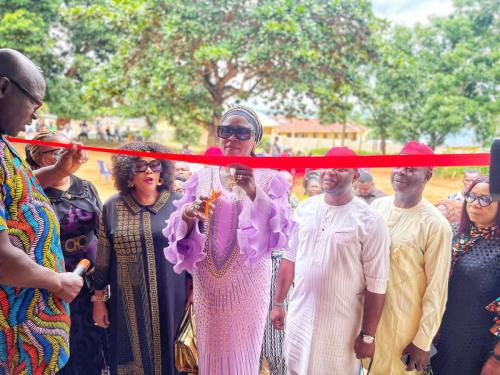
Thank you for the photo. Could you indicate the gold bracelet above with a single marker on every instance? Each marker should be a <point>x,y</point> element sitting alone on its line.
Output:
<point>95,298</point>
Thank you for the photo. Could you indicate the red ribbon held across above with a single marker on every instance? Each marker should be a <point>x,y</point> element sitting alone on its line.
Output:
<point>298,162</point>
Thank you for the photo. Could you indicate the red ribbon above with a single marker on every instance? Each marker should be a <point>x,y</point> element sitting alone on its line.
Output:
<point>297,162</point>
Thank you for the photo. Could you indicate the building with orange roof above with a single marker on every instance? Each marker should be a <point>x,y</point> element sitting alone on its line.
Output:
<point>306,134</point>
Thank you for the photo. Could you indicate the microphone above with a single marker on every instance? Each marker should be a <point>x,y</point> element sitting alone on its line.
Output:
<point>495,170</point>
<point>82,267</point>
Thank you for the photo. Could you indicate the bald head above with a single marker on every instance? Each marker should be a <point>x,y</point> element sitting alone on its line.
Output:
<point>22,89</point>
<point>182,171</point>
<point>16,66</point>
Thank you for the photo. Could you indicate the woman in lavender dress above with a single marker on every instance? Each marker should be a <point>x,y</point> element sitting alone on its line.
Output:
<point>229,252</point>
<point>77,206</point>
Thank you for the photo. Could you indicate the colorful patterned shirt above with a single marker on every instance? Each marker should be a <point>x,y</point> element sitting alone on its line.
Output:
<point>34,324</point>
<point>494,307</point>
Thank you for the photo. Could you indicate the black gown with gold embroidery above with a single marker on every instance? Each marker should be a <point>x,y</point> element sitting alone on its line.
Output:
<point>147,296</point>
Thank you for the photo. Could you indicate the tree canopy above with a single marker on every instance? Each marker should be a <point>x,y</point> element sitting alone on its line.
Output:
<point>185,61</point>
<point>434,80</point>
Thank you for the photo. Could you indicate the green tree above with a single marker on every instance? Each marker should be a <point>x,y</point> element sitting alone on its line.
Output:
<point>432,81</point>
<point>385,87</point>
<point>65,50</point>
<point>185,61</point>
<point>25,26</point>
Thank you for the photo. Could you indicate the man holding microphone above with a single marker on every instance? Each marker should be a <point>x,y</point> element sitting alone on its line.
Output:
<point>34,289</point>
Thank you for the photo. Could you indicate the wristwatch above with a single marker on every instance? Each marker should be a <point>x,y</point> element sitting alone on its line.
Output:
<point>367,339</point>
<point>278,304</point>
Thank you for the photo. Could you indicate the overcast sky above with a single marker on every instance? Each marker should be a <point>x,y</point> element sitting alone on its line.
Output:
<point>408,12</point>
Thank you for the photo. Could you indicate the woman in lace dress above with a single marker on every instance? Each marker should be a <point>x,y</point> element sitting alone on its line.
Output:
<point>465,345</point>
<point>226,243</point>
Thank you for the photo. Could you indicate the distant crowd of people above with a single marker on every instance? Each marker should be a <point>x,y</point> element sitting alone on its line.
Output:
<point>343,280</point>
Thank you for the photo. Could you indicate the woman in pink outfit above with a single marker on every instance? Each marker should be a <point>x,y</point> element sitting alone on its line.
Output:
<point>228,251</point>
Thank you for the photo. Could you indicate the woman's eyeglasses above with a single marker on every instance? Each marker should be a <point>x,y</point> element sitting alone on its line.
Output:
<point>483,200</point>
<point>241,133</point>
<point>56,152</point>
<point>141,166</point>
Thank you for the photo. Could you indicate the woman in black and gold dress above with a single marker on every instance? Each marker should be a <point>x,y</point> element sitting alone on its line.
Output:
<point>147,297</point>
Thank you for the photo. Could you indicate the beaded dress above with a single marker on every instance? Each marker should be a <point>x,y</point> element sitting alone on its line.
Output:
<point>464,339</point>
<point>229,258</point>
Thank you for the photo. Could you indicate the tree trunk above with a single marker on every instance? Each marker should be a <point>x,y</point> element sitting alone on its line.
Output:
<point>344,127</point>
<point>433,142</point>
<point>212,131</point>
<point>149,122</point>
<point>383,137</point>
<point>382,145</point>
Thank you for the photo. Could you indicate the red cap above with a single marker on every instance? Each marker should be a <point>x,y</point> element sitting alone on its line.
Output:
<point>416,148</point>
<point>340,151</point>
<point>213,151</point>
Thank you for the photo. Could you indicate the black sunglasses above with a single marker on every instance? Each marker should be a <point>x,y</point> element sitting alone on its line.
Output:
<point>26,92</point>
<point>155,165</point>
<point>483,200</point>
<point>241,133</point>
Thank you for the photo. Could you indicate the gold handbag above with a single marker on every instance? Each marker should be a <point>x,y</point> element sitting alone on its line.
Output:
<point>264,367</point>
<point>185,351</point>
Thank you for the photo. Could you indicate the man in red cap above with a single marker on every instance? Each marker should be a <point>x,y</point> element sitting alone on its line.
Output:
<point>418,279</point>
<point>339,258</point>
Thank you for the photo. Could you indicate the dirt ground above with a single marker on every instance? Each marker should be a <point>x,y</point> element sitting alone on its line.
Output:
<point>438,188</point>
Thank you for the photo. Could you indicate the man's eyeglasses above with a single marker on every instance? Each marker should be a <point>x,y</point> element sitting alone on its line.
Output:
<point>241,133</point>
<point>155,165</point>
<point>26,92</point>
<point>483,200</point>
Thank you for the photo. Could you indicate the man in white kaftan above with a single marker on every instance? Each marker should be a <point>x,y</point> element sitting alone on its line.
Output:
<point>340,259</point>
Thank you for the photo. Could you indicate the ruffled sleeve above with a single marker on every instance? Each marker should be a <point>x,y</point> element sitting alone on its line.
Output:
<point>266,223</point>
<point>184,250</point>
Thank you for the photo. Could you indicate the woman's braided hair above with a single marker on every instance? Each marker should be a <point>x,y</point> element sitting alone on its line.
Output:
<point>31,149</point>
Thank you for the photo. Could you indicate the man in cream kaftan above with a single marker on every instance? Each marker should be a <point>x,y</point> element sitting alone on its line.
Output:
<point>419,269</point>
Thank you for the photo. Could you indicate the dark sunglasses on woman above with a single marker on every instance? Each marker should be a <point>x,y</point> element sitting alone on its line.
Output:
<point>141,166</point>
<point>483,200</point>
<point>241,133</point>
